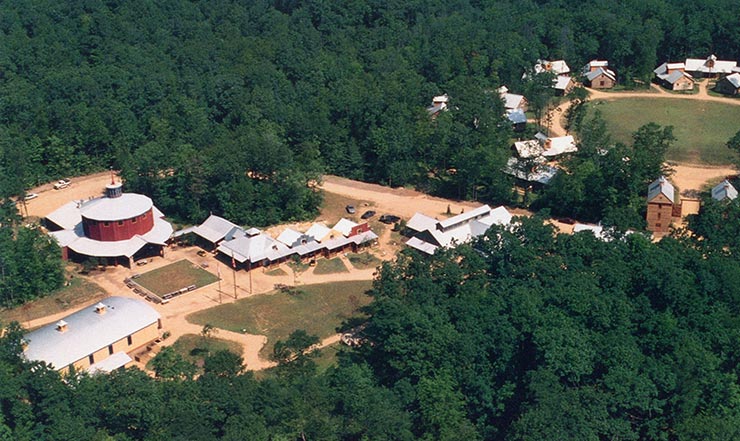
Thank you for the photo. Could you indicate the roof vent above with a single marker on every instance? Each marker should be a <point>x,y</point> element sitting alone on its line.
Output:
<point>62,326</point>
<point>100,308</point>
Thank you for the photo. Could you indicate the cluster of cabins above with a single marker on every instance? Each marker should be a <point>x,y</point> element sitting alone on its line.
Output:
<point>252,248</point>
<point>428,234</point>
<point>681,75</point>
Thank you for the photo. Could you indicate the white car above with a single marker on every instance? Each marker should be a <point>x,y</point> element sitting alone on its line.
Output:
<point>30,196</point>
<point>62,183</point>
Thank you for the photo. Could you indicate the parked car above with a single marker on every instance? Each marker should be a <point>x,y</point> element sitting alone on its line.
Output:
<point>350,209</point>
<point>30,196</point>
<point>141,262</point>
<point>389,219</point>
<point>62,183</point>
<point>368,214</point>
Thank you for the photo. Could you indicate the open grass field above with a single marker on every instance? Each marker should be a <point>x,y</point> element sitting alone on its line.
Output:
<point>701,128</point>
<point>194,348</point>
<point>79,292</point>
<point>318,309</point>
<point>175,276</point>
<point>330,266</point>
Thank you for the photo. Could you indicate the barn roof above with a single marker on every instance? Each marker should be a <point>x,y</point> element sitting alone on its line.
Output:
<point>88,331</point>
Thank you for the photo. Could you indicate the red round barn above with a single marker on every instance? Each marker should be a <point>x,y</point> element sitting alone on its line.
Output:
<point>118,216</point>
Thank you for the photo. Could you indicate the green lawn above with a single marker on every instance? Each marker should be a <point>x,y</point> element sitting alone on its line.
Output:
<point>701,128</point>
<point>363,260</point>
<point>318,309</point>
<point>330,266</point>
<point>175,276</point>
<point>79,292</point>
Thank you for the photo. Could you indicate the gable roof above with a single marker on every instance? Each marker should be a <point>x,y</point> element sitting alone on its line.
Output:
<point>592,75</point>
<point>724,190</point>
<point>216,228</point>
<point>677,75</point>
<point>661,186</point>
<point>733,79</point>
<point>562,82</point>
<point>516,116</point>
<point>457,229</point>
<point>558,67</point>
<point>345,226</point>
<point>421,222</point>
<point>318,231</point>
<point>710,65</point>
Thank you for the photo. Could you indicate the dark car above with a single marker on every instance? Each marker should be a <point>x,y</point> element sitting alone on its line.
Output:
<point>389,219</point>
<point>368,214</point>
<point>350,209</point>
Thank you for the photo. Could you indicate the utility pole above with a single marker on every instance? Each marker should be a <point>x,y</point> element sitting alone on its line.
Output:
<point>233,271</point>
<point>218,270</point>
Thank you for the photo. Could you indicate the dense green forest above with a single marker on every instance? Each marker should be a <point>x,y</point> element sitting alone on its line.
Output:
<point>30,260</point>
<point>529,335</point>
<point>233,107</point>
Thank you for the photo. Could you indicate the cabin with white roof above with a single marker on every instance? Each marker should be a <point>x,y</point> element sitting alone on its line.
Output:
<point>710,67</point>
<point>429,234</point>
<point>674,76</point>
<point>729,85</point>
<point>724,191</point>
<point>597,75</point>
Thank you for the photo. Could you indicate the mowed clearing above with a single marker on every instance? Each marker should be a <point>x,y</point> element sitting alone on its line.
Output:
<point>174,277</point>
<point>318,309</point>
<point>701,128</point>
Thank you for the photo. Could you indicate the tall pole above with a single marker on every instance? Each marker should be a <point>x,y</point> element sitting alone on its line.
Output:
<point>233,271</point>
<point>250,279</point>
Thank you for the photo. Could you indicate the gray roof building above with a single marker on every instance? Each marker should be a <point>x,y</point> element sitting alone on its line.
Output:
<point>89,330</point>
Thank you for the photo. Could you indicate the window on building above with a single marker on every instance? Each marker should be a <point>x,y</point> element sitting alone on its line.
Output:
<point>120,222</point>
<point>143,216</point>
<point>128,339</point>
<point>659,215</point>
<point>658,225</point>
<point>601,83</point>
<point>133,221</point>
<point>110,349</point>
<point>91,359</point>
<point>106,224</point>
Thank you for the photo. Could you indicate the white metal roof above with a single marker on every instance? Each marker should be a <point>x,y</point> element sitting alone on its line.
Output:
<point>458,229</point>
<point>561,82</point>
<point>66,216</point>
<point>512,100</point>
<point>703,66</point>
<point>126,206</point>
<point>594,64</point>
<point>76,240</point>
<point>559,145</point>
<point>660,186</point>
<point>734,79</point>
<point>214,228</point>
<point>88,331</point>
<point>465,217</point>
<point>724,190</point>
<point>421,222</point>
<point>289,236</point>
<point>344,226</point>
<point>318,231</point>
<point>557,66</point>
